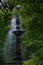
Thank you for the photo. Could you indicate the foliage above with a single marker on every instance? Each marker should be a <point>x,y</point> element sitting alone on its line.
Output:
<point>32,22</point>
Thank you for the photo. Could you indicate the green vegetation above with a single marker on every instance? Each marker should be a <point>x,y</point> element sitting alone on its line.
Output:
<point>32,21</point>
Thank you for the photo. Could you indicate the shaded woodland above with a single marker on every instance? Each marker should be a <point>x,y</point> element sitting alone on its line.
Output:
<point>31,15</point>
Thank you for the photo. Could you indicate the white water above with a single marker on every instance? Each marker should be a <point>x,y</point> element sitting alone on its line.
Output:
<point>10,43</point>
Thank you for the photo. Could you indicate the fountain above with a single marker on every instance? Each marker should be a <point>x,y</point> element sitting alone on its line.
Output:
<point>12,41</point>
<point>18,32</point>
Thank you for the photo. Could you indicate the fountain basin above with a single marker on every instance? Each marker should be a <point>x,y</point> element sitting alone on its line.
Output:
<point>18,32</point>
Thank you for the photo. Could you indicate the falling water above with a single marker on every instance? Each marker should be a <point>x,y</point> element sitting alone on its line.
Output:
<point>10,43</point>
